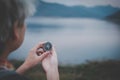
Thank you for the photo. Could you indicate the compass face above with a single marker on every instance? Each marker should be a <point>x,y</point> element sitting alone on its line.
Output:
<point>47,46</point>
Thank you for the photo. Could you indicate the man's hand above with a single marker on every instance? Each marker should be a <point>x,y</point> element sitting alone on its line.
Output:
<point>48,59</point>
<point>33,59</point>
<point>50,65</point>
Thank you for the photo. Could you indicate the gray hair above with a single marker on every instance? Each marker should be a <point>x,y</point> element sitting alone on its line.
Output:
<point>29,6</point>
<point>11,11</point>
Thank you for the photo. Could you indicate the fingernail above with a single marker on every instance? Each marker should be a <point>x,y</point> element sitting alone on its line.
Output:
<point>48,52</point>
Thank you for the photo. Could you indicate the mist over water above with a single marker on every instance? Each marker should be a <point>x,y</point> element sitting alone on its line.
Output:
<point>76,39</point>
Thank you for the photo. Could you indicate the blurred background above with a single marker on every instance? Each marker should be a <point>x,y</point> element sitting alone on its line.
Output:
<point>81,30</point>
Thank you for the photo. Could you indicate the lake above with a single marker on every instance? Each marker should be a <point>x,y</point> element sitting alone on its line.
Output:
<point>77,40</point>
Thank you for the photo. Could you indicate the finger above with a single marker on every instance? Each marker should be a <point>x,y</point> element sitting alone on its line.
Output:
<point>53,51</point>
<point>40,50</point>
<point>44,55</point>
<point>39,45</point>
<point>38,54</point>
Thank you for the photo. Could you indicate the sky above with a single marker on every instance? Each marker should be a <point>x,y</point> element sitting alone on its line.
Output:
<point>88,3</point>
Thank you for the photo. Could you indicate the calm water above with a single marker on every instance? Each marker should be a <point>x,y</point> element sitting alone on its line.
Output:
<point>76,40</point>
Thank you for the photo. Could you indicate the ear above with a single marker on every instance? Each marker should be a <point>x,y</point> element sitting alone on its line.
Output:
<point>15,31</point>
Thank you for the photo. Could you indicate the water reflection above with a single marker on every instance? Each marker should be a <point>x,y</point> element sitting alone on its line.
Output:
<point>76,39</point>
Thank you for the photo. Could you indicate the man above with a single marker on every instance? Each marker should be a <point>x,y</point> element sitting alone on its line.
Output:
<point>12,30</point>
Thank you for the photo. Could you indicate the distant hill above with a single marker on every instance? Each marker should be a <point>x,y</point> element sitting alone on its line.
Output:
<point>114,17</point>
<point>57,10</point>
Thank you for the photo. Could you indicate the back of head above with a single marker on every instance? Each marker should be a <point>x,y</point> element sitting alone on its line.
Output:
<point>10,12</point>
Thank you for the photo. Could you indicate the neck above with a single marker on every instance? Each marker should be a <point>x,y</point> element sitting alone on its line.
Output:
<point>8,49</point>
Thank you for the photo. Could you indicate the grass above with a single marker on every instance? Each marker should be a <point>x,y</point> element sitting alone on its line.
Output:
<point>106,70</point>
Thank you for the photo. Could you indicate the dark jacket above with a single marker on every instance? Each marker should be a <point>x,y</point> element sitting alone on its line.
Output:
<point>11,75</point>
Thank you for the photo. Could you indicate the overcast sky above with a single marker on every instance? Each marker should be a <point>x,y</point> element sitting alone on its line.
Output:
<point>115,3</point>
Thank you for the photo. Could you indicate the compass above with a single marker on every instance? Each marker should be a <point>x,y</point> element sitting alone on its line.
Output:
<point>47,46</point>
